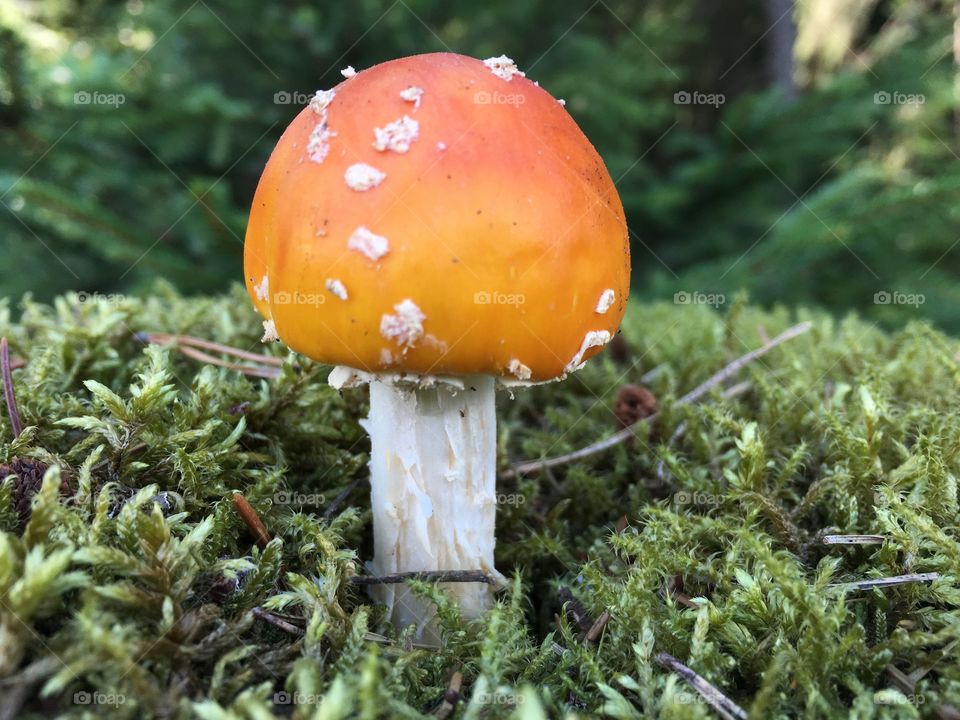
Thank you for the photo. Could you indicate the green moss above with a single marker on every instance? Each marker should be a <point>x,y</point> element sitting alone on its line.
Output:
<point>139,582</point>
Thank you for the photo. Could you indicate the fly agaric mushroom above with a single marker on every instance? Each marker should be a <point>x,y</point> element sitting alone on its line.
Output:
<point>437,226</point>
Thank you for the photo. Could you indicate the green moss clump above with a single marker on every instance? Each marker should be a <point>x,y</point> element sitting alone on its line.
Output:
<point>134,589</point>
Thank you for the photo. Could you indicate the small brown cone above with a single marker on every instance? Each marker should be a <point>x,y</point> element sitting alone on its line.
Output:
<point>634,403</point>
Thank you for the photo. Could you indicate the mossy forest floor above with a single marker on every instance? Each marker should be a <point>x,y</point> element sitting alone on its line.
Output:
<point>130,586</point>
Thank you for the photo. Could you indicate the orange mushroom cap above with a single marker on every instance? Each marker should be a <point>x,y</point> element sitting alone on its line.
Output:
<point>439,215</point>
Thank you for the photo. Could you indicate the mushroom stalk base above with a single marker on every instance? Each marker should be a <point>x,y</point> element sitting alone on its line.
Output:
<point>433,479</point>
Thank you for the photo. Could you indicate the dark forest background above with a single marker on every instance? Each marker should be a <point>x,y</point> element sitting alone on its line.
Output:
<point>806,152</point>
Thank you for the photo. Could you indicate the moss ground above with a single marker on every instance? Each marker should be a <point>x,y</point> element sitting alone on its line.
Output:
<point>131,587</point>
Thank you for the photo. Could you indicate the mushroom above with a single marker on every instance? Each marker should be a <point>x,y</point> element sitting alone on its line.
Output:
<point>475,242</point>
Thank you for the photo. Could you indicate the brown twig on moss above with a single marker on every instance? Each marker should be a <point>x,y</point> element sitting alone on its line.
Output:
<point>252,370</point>
<point>266,366</point>
<point>8,395</point>
<point>699,391</point>
<point>454,576</point>
<point>674,588</point>
<point>726,707</point>
<point>451,697</point>
<point>276,621</point>
<point>593,634</point>
<point>251,519</point>
<point>598,447</point>
<point>167,338</point>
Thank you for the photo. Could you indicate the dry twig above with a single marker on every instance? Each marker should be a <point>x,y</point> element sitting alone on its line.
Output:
<point>451,697</point>
<point>888,581</point>
<point>852,539</point>
<point>266,366</point>
<point>598,447</point>
<point>593,634</point>
<point>726,707</point>
<point>702,389</point>
<point>251,519</point>
<point>8,395</point>
<point>276,621</point>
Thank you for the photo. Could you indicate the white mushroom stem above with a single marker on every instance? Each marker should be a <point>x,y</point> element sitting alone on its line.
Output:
<point>433,478</point>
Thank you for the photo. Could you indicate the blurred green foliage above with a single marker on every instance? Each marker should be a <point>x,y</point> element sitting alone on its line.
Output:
<point>132,135</point>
